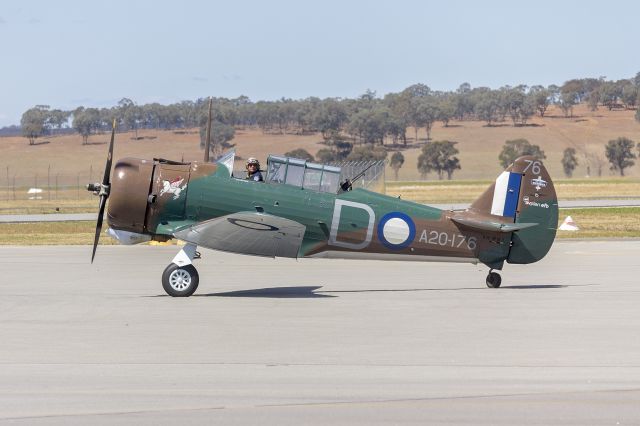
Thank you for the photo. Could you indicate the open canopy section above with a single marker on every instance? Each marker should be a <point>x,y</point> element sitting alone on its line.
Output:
<point>227,159</point>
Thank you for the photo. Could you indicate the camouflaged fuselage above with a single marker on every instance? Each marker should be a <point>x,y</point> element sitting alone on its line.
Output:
<point>161,199</point>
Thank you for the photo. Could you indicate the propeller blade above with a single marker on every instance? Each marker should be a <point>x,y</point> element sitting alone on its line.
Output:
<point>106,182</point>
<point>103,203</point>
<point>107,168</point>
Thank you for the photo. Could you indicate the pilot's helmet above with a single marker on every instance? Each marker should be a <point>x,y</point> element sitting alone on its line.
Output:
<point>251,161</point>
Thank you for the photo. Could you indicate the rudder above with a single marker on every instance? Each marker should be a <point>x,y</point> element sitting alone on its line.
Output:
<point>538,203</point>
<point>523,193</point>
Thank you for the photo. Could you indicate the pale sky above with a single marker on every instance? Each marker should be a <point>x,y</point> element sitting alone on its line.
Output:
<point>66,53</point>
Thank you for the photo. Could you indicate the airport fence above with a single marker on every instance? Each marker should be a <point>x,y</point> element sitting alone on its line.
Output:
<point>373,177</point>
<point>47,186</point>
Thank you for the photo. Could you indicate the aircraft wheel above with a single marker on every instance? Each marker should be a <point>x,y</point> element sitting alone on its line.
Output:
<point>494,280</point>
<point>180,281</point>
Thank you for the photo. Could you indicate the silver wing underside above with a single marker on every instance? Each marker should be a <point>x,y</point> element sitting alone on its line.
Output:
<point>251,233</point>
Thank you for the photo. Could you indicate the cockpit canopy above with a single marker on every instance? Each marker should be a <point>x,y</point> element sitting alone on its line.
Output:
<point>302,174</point>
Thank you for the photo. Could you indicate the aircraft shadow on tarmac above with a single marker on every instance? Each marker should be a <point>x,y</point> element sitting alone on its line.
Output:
<point>535,286</point>
<point>301,292</point>
<point>309,292</point>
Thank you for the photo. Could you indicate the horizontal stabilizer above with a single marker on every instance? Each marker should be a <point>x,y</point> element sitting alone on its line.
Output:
<point>490,225</point>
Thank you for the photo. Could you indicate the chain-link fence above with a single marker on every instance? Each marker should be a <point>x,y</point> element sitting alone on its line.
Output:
<point>372,179</point>
<point>48,186</point>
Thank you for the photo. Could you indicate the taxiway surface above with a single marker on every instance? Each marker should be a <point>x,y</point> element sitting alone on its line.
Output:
<point>319,341</point>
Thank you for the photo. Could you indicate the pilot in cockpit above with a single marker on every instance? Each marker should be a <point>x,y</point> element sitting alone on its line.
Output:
<point>253,170</point>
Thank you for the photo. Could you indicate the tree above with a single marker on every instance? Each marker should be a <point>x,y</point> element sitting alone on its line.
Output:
<point>541,99</point>
<point>618,152</point>
<point>569,161</point>
<point>57,119</point>
<point>326,155</point>
<point>133,115</point>
<point>427,112</point>
<point>566,103</point>
<point>221,134</point>
<point>594,100</point>
<point>86,121</point>
<point>446,110</point>
<point>629,95</point>
<point>409,102</point>
<point>439,156</point>
<point>397,160</point>
<point>610,94</point>
<point>515,102</point>
<point>338,150</point>
<point>329,117</point>
<point>595,160</point>
<point>515,148</point>
<point>397,124</point>
<point>300,153</point>
<point>367,152</point>
<point>33,122</point>
<point>487,107</point>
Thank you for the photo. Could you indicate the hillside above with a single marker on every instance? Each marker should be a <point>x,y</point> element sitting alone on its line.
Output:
<point>479,146</point>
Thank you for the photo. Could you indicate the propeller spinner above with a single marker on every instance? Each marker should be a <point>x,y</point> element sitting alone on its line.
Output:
<point>102,190</point>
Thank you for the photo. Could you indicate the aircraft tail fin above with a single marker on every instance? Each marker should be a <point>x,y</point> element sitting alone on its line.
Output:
<point>523,194</point>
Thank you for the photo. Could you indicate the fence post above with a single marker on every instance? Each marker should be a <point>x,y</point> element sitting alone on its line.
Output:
<point>49,182</point>
<point>384,177</point>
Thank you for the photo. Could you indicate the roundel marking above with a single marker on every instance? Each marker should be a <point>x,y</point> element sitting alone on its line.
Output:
<point>249,224</point>
<point>396,230</point>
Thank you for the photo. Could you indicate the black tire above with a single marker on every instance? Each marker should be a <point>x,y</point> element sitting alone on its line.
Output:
<point>180,281</point>
<point>494,280</point>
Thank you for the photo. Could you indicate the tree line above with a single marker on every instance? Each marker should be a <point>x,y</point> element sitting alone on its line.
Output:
<point>367,119</point>
<point>440,157</point>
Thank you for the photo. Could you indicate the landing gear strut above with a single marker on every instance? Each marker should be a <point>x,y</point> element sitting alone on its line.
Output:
<point>180,278</point>
<point>493,279</point>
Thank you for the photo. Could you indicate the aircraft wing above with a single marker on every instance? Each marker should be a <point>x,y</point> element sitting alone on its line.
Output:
<point>251,233</point>
<point>489,225</point>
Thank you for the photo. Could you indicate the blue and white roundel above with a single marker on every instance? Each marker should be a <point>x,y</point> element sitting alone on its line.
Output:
<point>396,230</point>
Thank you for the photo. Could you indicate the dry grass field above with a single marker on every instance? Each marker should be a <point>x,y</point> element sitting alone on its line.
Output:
<point>621,222</point>
<point>588,131</point>
<point>467,191</point>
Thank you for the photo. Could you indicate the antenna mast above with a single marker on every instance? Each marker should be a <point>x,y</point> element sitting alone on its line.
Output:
<point>207,144</point>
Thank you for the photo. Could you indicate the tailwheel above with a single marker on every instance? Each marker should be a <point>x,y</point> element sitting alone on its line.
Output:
<point>180,281</point>
<point>494,280</point>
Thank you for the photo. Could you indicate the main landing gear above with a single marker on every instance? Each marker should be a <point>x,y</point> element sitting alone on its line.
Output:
<point>493,279</point>
<point>180,278</point>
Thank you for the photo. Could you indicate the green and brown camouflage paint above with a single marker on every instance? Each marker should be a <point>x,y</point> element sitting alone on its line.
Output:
<point>159,198</point>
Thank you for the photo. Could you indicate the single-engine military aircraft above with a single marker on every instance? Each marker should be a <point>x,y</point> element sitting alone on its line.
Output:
<point>303,209</point>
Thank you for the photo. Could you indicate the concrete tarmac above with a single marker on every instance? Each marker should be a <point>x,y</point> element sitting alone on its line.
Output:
<point>288,342</point>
